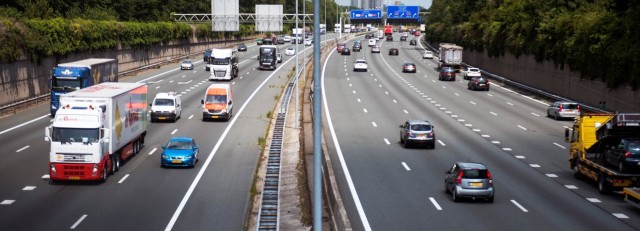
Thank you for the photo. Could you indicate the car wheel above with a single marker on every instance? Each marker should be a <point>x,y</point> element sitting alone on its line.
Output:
<point>490,199</point>
<point>406,144</point>
<point>454,195</point>
<point>576,171</point>
<point>555,116</point>
<point>603,185</point>
<point>433,145</point>
<point>446,187</point>
<point>621,167</point>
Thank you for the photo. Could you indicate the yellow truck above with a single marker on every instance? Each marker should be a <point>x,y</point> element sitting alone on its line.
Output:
<point>591,137</point>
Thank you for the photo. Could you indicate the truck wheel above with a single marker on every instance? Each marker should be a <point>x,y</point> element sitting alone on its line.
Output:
<point>576,171</point>
<point>603,185</point>
<point>105,174</point>
<point>115,163</point>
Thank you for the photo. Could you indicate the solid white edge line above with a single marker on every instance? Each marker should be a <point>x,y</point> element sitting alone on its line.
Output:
<point>406,166</point>
<point>435,203</point>
<point>23,124</point>
<point>123,179</point>
<point>205,165</point>
<point>78,222</point>
<point>343,164</point>
<point>519,206</point>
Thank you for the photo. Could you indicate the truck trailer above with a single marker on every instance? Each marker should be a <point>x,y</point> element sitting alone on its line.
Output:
<point>68,77</point>
<point>95,129</point>
<point>591,136</point>
<point>450,55</point>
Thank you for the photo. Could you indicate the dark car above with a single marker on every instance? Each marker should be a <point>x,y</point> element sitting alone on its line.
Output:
<point>242,47</point>
<point>340,47</point>
<point>447,73</point>
<point>280,40</point>
<point>623,153</point>
<point>206,55</point>
<point>389,38</point>
<point>478,83</point>
<point>346,51</point>
<point>470,180</point>
<point>403,38</point>
<point>179,151</point>
<point>409,67</point>
<point>357,46</point>
<point>417,132</point>
<point>413,42</point>
<point>393,51</point>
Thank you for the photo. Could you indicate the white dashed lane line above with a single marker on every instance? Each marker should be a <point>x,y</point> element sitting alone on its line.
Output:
<point>535,114</point>
<point>435,203</point>
<point>386,141</point>
<point>507,149</point>
<point>521,127</point>
<point>511,104</point>
<point>594,200</point>
<point>406,166</point>
<point>620,215</point>
<point>152,151</point>
<point>471,102</point>
<point>571,186</point>
<point>28,188</point>
<point>22,149</point>
<point>174,131</point>
<point>560,146</point>
<point>191,116</point>
<point>534,165</point>
<point>493,113</point>
<point>394,101</point>
<point>79,221</point>
<point>123,179</point>
<point>7,202</point>
<point>374,124</point>
<point>551,175</point>
<point>359,100</point>
<point>441,143</point>
<point>405,111</point>
<point>519,206</point>
<point>520,157</point>
<point>365,110</point>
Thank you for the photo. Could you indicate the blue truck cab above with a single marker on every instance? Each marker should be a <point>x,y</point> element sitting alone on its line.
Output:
<point>68,77</point>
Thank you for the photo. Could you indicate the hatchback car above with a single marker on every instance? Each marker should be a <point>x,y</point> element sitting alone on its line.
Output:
<point>427,55</point>
<point>186,65</point>
<point>242,47</point>
<point>375,49</point>
<point>389,38</point>
<point>472,72</point>
<point>409,67</point>
<point>357,46</point>
<point>623,153</point>
<point>341,46</point>
<point>563,109</point>
<point>290,51</point>
<point>360,65</point>
<point>417,132</point>
<point>478,83</point>
<point>469,180</point>
<point>447,73</point>
<point>346,51</point>
<point>179,151</point>
<point>393,51</point>
<point>413,42</point>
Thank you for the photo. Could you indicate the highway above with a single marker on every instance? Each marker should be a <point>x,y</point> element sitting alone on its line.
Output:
<point>388,187</point>
<point>141,195</point>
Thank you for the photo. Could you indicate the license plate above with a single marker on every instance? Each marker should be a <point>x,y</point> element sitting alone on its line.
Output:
<point>422,135</point>
<point>176,161</point>
<point>215,117</point>
<point>161,118</point>
<point>475,184</point>
<point>74,178</point>
<point>482,84</point>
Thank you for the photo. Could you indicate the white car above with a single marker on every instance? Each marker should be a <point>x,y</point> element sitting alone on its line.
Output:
<point>287,38</point>
<point>372,42</point>
<point>360,65</point>
<point>166,106</point>
<point>186,65</point>
<point>472,72</point>
<point>308,42</point>
<point>290,51</point>
<point>427,55</point>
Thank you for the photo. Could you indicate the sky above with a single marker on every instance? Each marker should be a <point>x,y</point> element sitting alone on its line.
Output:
<point>423,3</point>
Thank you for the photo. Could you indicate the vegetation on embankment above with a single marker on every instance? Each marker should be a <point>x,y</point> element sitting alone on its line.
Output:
<point>600,39</point>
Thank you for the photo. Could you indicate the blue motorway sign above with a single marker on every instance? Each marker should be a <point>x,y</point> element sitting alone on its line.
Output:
<point>366,14</point>
<point>400,12</point>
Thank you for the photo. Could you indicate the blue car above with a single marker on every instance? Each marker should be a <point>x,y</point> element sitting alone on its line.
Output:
<point>180,151</point>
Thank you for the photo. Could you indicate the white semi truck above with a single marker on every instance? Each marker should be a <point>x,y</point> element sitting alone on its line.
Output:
<point>223,64</point>
<point>95,129</point>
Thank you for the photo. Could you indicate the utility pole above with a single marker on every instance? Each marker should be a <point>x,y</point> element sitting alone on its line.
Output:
<point>317,121</point>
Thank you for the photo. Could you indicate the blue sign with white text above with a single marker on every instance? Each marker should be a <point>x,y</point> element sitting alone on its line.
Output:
<point>366,14</point>
<point>400,12</point>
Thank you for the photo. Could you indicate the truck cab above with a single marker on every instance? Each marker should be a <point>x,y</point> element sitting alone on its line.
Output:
<point>268,57</point>
<point>223,64</point>
<point>166,106</point>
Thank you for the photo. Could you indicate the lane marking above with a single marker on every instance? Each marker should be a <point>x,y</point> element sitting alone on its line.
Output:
<point>7,202</point>
<point>521,127</point>
<point>519,206</point>
<point>495,142</point>
<point>509,103</point>
<point>569,186</point>
<point>123,179</point>
<point>174,131</point>
<point>507,149</point>
<point>520,157</point>
<point>387,141</point>
<point>45,176</point>
<point>551,175</point>
<point>28,188</point>
<point>78,222</point>
<point>354,92</point>
<point>461,120</point>
<point>23,148</point>
<point>191,116</point>
<point>374,124</point>
<point>620,215</point>
<point>594,200</point>
<point>474,103</point>
<point>468,125</point>
<point>365,110</point>
<point>557,144</point>
<point>535,114</point>
<point>406,166</point>
<point>394,101</point>
<point>435,203</point>
<point>477,130</point>
<point>23,124</point>
<point>359,100</point>
<point>157,87</point>
<point>152,151</point>
<point>441,143</point>
<point>405,111</point>
<point>493,113</point>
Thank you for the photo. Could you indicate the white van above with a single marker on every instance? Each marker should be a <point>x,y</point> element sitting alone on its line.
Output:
<point>372,42</point>
<point>166,106</point>
<point>217,102</point>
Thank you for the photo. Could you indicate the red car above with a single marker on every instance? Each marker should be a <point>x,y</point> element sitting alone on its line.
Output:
<point>417,33</point>
<point>341,46</point>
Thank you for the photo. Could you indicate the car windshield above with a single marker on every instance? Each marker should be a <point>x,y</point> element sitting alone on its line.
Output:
<point>186,62</point>
<point>216,99</point>
<point>221,61</point>
<point>428,52</point>
<point>447,69</point>
<point>475,174</point>
<point>163,102</point>
<point>420,127</point>
<point>361,61</point>
<point>179,144</point>
<point>481,80</point>
<point>75,134</point>
<point>409,64</point>
<point>59,83</point>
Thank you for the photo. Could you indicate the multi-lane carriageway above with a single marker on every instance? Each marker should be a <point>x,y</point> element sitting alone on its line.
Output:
<point>385,187</point>
<point>388,187</point>
<point>142,196</point>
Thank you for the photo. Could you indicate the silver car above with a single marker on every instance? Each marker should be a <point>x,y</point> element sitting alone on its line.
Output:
<point>186,65</point>
<point>469,180</point>
<point>417,132</point>
<point>563,109</point>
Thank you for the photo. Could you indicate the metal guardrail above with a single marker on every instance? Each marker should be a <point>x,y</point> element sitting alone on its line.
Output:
<point>527,87</point>
<point>12,108</point>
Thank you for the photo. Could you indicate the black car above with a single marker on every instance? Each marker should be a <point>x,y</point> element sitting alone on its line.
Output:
<point>623,153</point>
<point>346,51</point>
<point>242,47</point>
<point>413,42</point>
<point>478,83</point>
<point>447,73</point>
<point>206,55</point>
<point>403,38</point>
<point>357,47</point>
<point>393,51</point>
<point>389,38</point>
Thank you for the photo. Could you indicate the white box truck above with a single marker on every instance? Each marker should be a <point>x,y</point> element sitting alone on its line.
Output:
<point>347,28</point>
<point>95,129</point>
<point>450,55</point>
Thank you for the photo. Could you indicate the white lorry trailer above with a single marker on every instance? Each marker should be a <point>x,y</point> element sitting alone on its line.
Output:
<point>450,55</point>
<point>95,129</point>
<point>223,64</point>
